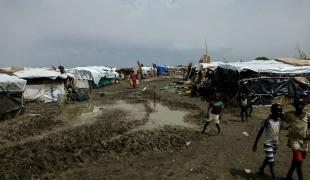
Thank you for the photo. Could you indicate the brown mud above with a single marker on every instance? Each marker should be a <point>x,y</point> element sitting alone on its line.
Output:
<point>124,133</point>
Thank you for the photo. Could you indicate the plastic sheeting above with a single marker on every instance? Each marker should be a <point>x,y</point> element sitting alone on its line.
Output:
<point>269,66</point>
<point>83,84</point>
<point>211,65</point>
<point>162,69</point>
<point>146,70</point>
<point>34,73</point>
<point>10,101</point>
<point>262,91</point>
<point>264,86</point>
<point>94,73</point>
<point>11,83</point>
<point>44,92</point>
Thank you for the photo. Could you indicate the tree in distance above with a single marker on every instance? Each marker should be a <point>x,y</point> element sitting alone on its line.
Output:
<point>262,58</point>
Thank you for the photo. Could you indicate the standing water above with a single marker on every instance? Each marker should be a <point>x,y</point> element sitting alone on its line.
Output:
<point>163,116</point>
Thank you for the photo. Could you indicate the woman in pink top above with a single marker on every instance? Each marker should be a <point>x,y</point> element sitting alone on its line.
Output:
<point>133,78</point>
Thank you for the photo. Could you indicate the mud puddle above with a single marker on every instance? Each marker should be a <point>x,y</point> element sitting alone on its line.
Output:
<point>87,114</point>
<point>78,115</point>
<point>163,116</point>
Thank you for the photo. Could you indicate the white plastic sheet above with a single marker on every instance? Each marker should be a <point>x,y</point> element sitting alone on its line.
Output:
<point>211,65</point>
<point>44,92</point>
<point>94,73</point>
<point>83,84</point>
<point>33,73</point>
<point>269,66</point>
<point>10,83</point>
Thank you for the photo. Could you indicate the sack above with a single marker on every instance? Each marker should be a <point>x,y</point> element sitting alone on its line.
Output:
<point>137,82</point>
<point>130,82</point>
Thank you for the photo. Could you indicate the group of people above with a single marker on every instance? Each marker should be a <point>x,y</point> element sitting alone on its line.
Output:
<point>297,122</point>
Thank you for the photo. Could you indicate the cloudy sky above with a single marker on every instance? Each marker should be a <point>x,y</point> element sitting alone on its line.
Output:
<point>172,32</point>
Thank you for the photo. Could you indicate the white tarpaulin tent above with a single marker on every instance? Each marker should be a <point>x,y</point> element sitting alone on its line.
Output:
<point>94,73</point>
<point>268,66</point>
<point>43,84</point>
<point>146,70</point>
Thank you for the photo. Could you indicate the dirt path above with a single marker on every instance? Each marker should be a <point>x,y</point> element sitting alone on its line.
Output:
<point>127,134</point>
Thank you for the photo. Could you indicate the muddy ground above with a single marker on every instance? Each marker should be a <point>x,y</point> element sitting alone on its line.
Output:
<point>124,133</point>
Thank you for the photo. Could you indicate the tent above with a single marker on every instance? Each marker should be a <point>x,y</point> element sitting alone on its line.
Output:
<point>96,76</point>
<point>161,69</point>
<point>43,84</point>
<point>147,71</point>
<point>264,81</point>
<point>11,93</point>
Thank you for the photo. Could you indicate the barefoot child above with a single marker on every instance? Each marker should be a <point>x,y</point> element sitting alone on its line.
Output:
<point>216,106</point>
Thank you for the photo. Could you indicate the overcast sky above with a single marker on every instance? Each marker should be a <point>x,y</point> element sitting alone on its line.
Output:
<point>171,32</point>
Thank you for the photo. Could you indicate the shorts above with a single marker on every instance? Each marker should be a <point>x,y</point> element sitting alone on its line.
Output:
<point>214,117</point>
<point>270,151</point>
<point>299,155</point>
<point>298,144</point>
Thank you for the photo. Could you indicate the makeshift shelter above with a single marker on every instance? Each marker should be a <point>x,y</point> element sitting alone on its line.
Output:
<point>44,85</point>
<point>204,66</point>
<point>95,76</point>
<point>147,71</point>
<point>264,81</point>
<point>82,78</point>
<point>161,69</point>
<point>11,93</point>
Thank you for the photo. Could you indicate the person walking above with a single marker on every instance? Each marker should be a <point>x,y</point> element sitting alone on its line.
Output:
<point>299,123</point>
<point>133,79</point>
<point>215,106</point>
<point>271,128</point>
<point>243,104</point>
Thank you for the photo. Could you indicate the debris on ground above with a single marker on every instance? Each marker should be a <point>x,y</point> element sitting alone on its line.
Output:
<point>248,171</point>
<point>245,133</point>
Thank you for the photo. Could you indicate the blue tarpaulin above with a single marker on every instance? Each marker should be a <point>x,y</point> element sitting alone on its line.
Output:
<point>161,69</point>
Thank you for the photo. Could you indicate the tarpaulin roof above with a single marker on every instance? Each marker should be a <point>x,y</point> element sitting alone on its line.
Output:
<point>94,73</point>
<point>210,65</point>
<point>145,69</point>
<point>35,73</point>
<point>162,69</point>
<point>269,66</point>
<point>11,83</point>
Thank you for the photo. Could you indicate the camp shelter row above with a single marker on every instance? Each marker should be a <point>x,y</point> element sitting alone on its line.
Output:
<point>146,71</point>
<point>265,81</point>
<point>48,85</point>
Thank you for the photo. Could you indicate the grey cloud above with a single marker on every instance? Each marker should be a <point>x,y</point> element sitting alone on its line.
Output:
<point>116,32</point>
